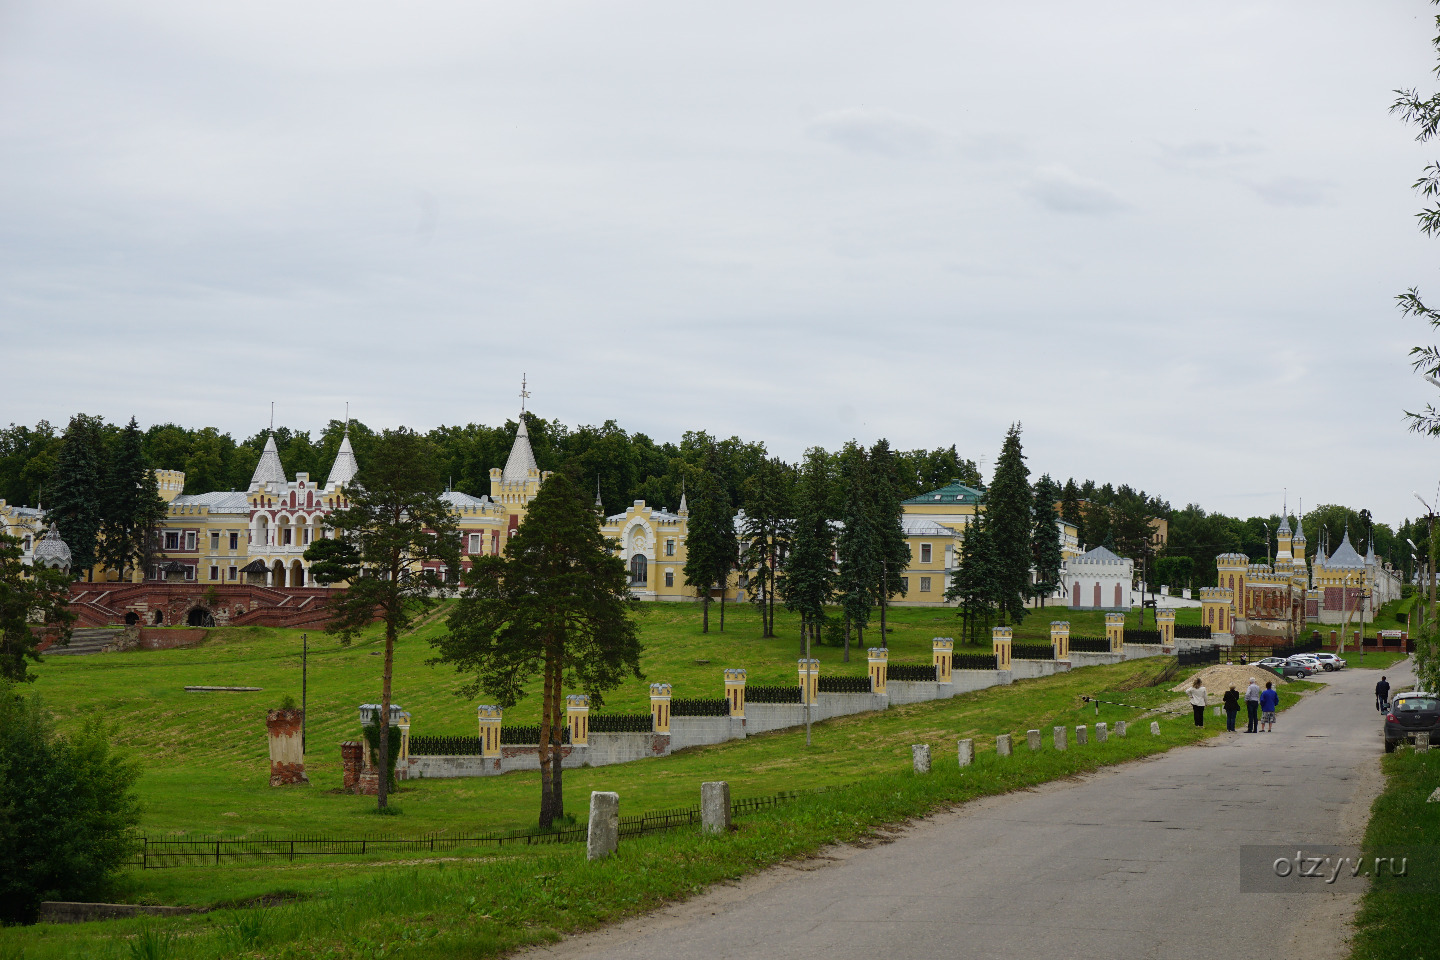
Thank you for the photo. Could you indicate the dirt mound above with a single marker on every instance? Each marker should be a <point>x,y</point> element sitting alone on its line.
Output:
<point>1219,678</point>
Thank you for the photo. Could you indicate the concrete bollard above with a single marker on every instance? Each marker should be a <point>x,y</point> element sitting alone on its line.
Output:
<point>1119,728</point>
<point>1082,736</point>
<point>1219,711</point>
<point>1033,737</point>
<point>1060,738</point>
<point>966,751</point>
<point>1002,745</point>
<point>604,834</point>
<point>1422,740</point>
<point>715,806</point>
<point>1154,728</point>
<point>1102,732</point>
<point>920,757</point>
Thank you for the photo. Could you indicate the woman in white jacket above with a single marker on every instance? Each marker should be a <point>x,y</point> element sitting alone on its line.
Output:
<point>1197,701</point>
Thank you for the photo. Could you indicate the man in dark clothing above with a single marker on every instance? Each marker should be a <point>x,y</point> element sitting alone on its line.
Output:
<point>1252,706</point>
<point>1382,695</point>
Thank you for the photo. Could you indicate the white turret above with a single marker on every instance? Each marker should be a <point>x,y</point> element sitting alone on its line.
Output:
<point>269,470</point>
<point>345,466</point>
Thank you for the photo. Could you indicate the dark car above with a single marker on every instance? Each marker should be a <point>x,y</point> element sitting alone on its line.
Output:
<point>1410,713</point>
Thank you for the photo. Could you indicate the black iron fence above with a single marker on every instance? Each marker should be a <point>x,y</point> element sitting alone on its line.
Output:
<point>1142,636</point>
<point>524,734</point>
<point>1288,650</point>
<point>201,851</point>
<point>449,746</point>
<point>844,684</point>
<point>911,672</point>
<point>973,661</point>
<point>621,723</point>
<point>1198,655</point>
<point>1032,651</point>
<point>1089,645</point>
<point>699,707</point>
<point>1188,631</point>
<point>764,694</point>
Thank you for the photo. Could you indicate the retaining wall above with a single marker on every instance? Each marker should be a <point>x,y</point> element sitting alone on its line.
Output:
<point>965,681</point>
<point>1134,651</point>
<point>1033,669</point>
<point>1078,660</point>
<point>699,731</point>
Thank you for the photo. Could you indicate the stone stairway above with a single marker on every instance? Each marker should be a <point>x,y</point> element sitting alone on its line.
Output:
<point>85,640</point>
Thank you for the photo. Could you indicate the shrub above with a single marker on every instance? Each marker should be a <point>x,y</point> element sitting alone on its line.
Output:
<point>287,702</point>
<point>66,806</point>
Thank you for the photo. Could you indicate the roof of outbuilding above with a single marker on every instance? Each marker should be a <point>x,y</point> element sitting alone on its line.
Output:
<point>1345,557</point>
<point>952,492</point>
<point>1098,555</point>
<point>219,501</point>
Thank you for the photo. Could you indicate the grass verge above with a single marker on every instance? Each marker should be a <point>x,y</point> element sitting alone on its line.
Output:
<point>1397,917</point>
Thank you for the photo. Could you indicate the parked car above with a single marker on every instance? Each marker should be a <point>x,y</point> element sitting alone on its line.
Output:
<point>1297,667</point>
<point>1330,661</point>
<point>1271,663</point>
<point>1410,713</point>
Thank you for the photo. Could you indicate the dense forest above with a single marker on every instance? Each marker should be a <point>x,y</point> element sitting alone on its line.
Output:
<point>632,466</point>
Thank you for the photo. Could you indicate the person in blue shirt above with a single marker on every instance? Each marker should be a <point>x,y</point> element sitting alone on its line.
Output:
<point>1269,700</point>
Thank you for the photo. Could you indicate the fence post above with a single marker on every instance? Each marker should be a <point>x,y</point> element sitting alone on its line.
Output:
<point>577,718</point>
<point>879,658</point>
<point>1119,728</point>
<point>1060,639</point>
<point>920,757</point>
<point>489,718</point>
<point>735,691</point>
<point>1115,631</point>
<point>660,707</point>
<point>1102,732</point>
<point>809,677</point>
<point>1082,736</point>
<point>1002,745</point>
<point>965,749</point>
<point>943,650</point>
<point>1001,639</point>
<point>1059,738</point>
<point>715,806</point>
<point>1165,620</point>
<point>1032,737</point>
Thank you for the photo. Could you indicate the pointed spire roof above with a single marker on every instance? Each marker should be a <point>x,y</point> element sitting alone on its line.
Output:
<point>53,552</point>
<point>684,508</point>
<point>1370,551</point>
<point>1284,524</point>
<point>1299,527</point>
<point>345,466</point>
<point>269,469</point>
<point>522,458</point>
<point>599,504</point>
<point>1345,556</point>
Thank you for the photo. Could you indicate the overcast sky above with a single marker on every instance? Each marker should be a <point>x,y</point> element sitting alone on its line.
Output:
<point>1166,237</point>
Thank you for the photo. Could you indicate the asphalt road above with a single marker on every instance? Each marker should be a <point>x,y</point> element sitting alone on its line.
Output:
<point>1140,860</point>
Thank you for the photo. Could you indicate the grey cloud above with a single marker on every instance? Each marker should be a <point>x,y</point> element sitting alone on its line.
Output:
<point>878,132</point>
<point>1294,192</point>
<point>1059,189</point>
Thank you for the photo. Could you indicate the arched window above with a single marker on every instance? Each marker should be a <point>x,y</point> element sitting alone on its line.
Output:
<point>1232,582</point>
<point>638,572</point>
<point>1222,619</point>
<point>1210,615</point>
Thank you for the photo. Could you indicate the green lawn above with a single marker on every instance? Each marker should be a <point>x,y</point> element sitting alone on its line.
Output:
<point>207,775</point>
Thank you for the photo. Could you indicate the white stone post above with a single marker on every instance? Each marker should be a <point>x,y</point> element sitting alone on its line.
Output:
<point>715,806</point>
<point>1102,732</point>
<point>1120,728</point>
<point>1060,738</point>
<point>1002,745</point>
<point>920,757</point>
<point>1154,728</point>
<point>1033,737</point>
<point>603,837</point>
<point>1082,736</point>
<point>965,749</point>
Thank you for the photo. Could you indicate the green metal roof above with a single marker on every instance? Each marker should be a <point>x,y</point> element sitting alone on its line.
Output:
<point>952,492</point>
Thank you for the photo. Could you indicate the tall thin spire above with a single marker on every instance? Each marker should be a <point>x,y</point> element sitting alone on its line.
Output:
<point>346,466</point>
<point>599,504</point>
<point>684,509</point>
<point>524,394</point>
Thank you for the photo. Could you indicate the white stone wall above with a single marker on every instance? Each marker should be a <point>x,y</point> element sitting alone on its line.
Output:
<point>1033,669</point>
<point>1078,659</point>
<point>699,731</point>
<point>1134,651</point>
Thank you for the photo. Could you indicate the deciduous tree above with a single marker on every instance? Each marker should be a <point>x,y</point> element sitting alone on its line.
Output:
<point>33,608</point>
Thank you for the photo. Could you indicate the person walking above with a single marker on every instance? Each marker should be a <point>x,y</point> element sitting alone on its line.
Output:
<point>1232,707</point>
<point>1197,701</point>
<point>1252,706</point>
<point>1382,695</point>
<point>1269,700</point>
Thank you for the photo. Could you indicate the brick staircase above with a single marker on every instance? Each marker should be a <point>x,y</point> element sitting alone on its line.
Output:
<point>84,641</point>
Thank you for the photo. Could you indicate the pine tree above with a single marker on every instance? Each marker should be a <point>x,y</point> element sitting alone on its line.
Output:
<point>1045,552</point>
<point>764,534</point>
<point>975,585</point>
<point>399,530</point>
<point>557,603</point>
<point>131,509</point>
<point>76,493</point>
<point>858,546</point>
<point>808,572</point>
<point>710,546</point>
<point>889,518</point>
<point>1071,510</point>
<point>1008,511</point>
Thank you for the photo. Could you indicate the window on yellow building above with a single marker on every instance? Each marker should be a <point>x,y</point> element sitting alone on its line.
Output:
<point>285,537</point>
<point>924,554</point>
<point>475,543</point>
<point>231,573</point>
<point>904,584</point>
<point>669,578</point>
<point>172,541</point>
<point>189,539</point>
<point>214,542</point>
<point>234,542</point>
<point>214,573</point>
<point>924,584</point>
<point>669,548</point>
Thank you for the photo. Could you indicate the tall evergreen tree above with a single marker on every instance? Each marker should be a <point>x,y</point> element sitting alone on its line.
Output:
<point>710,545</point>
<point>889,518</point>
<point>858,546</point>
<point>1009,508</point>
<point>1071,510</point>
<point>808,572</point>
<point>1045,554</point>
<point>558,603</point>
<point>975,585</point>
<point>76,494</point>
<point>131,508</point>
<point>764,534</point>
<point>397,531</point>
